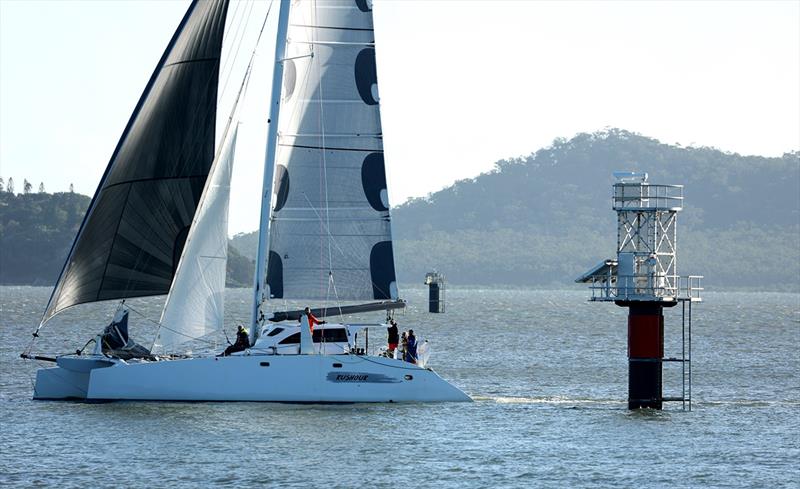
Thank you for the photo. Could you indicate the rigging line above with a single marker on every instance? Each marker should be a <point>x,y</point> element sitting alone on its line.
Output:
<point>227,34</point>
<point>242,90</point>
<point>246,80</point>
<point>197,338</point>
<point>336,294</point>
<point>246,83</point>
<point>231,60</point>
<point>143,315</point>
<point>238,46</point>
<point>320,98</point>
<point>326,229</point>
<point>366,358</point>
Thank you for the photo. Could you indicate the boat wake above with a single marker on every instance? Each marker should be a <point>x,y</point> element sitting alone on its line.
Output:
<point>547,400</point>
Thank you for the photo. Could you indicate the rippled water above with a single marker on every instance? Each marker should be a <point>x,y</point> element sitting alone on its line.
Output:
<point>547,369</point>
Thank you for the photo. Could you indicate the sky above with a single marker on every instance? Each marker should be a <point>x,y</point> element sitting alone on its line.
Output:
<point>463,83</point>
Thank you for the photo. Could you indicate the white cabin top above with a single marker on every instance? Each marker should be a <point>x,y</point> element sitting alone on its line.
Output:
<point>329,338</point>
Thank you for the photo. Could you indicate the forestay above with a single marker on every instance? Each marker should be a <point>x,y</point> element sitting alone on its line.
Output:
<point>132,237</point>
<point>330,234</point>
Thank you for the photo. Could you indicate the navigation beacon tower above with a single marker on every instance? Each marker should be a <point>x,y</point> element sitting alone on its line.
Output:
<point>644,278</point>
<point>436,291</point>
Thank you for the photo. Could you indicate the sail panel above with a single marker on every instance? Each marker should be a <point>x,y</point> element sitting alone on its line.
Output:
<point>134,231</point>
<point>330,230</point>
<point>196,303</point>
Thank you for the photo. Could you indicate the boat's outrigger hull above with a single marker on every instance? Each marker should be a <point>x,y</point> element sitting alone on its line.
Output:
<point>269,378</point>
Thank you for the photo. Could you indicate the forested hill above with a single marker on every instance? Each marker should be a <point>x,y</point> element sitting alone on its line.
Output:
<point>546,218</point>
<point>37,230</point>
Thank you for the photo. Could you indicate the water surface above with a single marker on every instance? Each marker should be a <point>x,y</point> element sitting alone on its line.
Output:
<point>547,369</point>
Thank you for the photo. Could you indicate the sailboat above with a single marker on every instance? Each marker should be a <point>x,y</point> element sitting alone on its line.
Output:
<point>158,225</point>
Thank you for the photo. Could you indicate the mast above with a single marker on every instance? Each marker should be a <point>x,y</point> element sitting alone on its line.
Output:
<point>259,295</point>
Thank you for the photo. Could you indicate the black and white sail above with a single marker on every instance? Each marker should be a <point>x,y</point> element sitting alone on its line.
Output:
<point>330,234</point>
<point>132,237</point>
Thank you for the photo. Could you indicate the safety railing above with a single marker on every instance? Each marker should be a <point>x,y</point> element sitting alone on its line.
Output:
<point>645,196</point>
<point>646,288</point>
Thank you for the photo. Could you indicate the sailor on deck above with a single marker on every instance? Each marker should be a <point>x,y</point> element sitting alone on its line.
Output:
<point>411,347</point>
<point>312,320</point>
<point>242,342</point>
<point>393,340</point>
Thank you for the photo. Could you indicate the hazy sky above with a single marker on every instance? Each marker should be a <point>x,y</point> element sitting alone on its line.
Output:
<point>462,83</point>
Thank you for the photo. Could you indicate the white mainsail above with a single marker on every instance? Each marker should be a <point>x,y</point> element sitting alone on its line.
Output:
<point>330,233</point>
<point>196,302</point>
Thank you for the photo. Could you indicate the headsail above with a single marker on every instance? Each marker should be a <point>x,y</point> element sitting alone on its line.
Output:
<point>132,236</point>
<point>195,306</point>
<point>330,234</point>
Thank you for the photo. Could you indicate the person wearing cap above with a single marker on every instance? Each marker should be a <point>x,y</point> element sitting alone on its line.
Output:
<point>242,341</point>
<point>411,347</point>
<point>394,339</point>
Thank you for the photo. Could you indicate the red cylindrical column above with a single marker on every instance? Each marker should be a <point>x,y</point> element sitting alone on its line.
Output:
<point>645,352</point>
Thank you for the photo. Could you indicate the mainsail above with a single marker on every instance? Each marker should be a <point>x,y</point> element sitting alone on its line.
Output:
<point>195,305</point>
<point>330,234</point>
<point>132,236</point>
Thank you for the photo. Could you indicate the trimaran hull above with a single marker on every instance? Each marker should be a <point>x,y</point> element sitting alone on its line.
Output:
<point>264,378</point>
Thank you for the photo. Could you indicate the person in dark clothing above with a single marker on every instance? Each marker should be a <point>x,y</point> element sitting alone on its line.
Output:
<point>242,342</point>
<point>394,338</point>
<point>411,348</point>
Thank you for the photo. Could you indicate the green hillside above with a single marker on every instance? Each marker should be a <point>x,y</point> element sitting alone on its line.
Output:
<point>37,230</point>
<point>545,218</point>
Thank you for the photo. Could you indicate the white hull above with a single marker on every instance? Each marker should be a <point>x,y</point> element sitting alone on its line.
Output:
<point>270,378</point>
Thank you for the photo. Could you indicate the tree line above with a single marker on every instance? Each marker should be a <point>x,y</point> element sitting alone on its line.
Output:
<point>27,187</point>
<point>37,231</point>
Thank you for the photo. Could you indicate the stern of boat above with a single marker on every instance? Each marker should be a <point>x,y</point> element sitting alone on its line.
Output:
<point>60,384</point>
<point>69,380</point>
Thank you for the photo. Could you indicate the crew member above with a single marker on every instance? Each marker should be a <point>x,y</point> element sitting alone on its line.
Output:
<point>242,342</point>
<point>312,320</point>
<point>411,348</point>
<point>394,339</point>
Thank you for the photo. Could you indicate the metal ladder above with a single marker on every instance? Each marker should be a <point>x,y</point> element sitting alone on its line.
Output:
<point>685,359</point>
